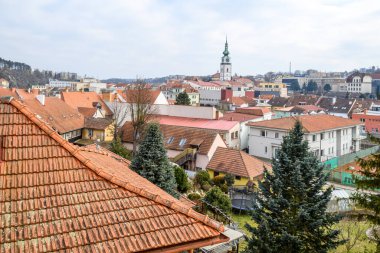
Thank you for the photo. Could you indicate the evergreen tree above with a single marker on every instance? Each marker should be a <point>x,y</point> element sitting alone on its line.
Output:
<point>217,198</point>
<point>182,99</point>
<point>151,160</point>
<point>181,179</point>
<point>327,87</point>
<point>370,180</point>
<point>291,205</point>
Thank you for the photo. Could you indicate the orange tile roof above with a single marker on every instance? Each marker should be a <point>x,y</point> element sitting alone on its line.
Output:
<point>130,97</point>
<point>237,162</point>
<point>84,99</point>
<point>237,116</point>
<point>56,196</point>
<point>258,111</point>
<point>56,114</point>
<point>310,123</point>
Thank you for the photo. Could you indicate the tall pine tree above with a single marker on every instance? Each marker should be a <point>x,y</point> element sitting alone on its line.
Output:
<point>152,162</point>
<point>183,99</point>
<point>291,206</point>
<point>370,180</point>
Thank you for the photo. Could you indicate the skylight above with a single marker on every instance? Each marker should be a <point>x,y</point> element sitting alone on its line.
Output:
<point>170,140</point>
<point>182,142</point>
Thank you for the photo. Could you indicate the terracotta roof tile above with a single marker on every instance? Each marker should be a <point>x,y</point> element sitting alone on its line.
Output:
<point>173,135</point>
<point>56,196</point>
<point>84,99</point>
<point>97,123</point>
<point>310,123</point>
<point>237,162</point>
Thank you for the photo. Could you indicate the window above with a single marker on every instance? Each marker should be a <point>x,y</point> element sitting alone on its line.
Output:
<point>332,150</point>
<point>90,132</point>
<point>314,137</point>
<point>362,120</point>
<point>266,150</point>
<point>182,142</point>
<point>263,133</point>
<point>216,173</point>
<point>238,177</point>
<point>232,135</point>
<point>322,136</point>
<point>170,140</point>
<point>236,134</point>
<point>276,135</point>
<point>322,152</point>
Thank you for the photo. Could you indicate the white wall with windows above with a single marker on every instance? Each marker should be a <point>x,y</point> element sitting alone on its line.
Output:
<point>326,145</point>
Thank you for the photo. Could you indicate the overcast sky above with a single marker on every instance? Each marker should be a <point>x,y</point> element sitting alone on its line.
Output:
<point>129,38</point>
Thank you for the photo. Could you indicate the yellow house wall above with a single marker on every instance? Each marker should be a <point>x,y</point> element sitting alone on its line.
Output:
<point>242,182</point>
<point>102,135</point>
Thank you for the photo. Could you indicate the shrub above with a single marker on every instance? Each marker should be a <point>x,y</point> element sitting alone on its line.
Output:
<point>230,179</point>
<point>117,147</point>
<point>218,180</point>
<point>181,179</point>
<point>202,177</point>
<point>224,188</point>
<point>194,196</point>
<point>218,199</point>
<point>206,186</point>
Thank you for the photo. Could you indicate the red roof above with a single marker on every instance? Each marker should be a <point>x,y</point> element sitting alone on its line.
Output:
<point>310,123</point>
<point>59,197</point>
<point>241,117</point>
<point>223,125</point>
<point>258,111</point>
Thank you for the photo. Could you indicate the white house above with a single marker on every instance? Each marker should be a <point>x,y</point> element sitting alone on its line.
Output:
<point>359,83</point>
<point>328,136</point>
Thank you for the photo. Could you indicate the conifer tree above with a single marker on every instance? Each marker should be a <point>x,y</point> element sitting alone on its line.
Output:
<point>291,205</point>
<point>182,99</point>
<point>370,180</point>
<point>151,160</point>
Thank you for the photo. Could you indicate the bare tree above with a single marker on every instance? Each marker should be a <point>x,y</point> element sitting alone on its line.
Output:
<point>140,104</point>
<point>120,113</point>
<point>352,232</point>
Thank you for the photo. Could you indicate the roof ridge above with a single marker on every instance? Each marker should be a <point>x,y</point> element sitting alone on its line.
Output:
<point>74,151</point>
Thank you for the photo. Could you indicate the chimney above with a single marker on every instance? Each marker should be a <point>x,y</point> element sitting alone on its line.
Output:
<point>41,99</point>
<point>217,115</point>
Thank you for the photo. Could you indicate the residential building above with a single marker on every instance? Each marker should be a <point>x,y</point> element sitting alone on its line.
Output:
<point>155,97</point>
<point>245,168</point>
<point>337,106</point>
<point>84,199</point>
<point>371,120</point>
<point>276,102</point>
<point>174,87</point>
<point>230,104</point>
<point>228,130</point>
<point>297,110</point>
<point>328,136</point>
<point>62,84</point>
<point>98,129</point>
<point>359,82</point>
<point>189,147</point>
<point>277,89</point>
<point>210,93</point>
<point>244,116</point>
<point>226,65</point>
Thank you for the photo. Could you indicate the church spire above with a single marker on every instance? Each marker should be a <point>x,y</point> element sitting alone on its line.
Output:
<point>226,53</point>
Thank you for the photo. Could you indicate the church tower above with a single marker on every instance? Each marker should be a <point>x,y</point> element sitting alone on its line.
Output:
<point>225,65</point>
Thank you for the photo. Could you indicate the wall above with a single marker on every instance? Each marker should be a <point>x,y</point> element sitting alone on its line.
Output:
<point>242,182</point>
<point>258,143</point>
<point>209,97</point>
<point>201,112</point>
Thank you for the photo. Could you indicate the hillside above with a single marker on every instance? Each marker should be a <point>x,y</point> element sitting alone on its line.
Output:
<point>20,75</point>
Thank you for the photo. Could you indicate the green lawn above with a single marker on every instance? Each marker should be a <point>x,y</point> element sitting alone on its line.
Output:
<point>362,245</point>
